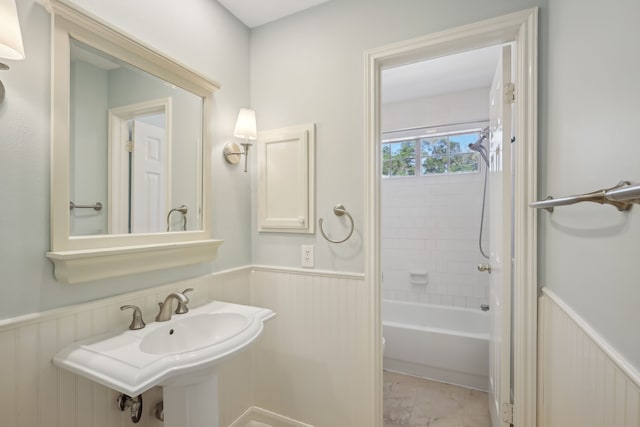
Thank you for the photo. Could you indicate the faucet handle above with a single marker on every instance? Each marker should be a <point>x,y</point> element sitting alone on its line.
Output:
<point>182,306</point>
<point>136,322</point>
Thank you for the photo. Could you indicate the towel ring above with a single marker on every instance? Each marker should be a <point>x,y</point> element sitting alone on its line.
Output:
<point>339,210</point>
<point>183,210</point>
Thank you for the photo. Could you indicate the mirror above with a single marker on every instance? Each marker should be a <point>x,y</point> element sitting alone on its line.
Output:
<point>131,153</point>
<point>136,149</point>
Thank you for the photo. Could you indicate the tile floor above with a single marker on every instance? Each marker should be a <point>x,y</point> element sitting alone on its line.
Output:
<point>416,402</point>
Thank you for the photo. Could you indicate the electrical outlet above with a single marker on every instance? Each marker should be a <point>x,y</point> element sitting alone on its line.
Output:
<point>307,256</point>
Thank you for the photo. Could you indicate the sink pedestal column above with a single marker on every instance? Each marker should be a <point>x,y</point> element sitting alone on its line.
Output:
<point>192,400</point>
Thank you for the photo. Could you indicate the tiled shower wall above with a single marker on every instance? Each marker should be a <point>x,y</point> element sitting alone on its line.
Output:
<point>430,225</point>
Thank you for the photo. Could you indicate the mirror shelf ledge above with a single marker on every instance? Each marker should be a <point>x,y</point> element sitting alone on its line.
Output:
<point>77,266</point>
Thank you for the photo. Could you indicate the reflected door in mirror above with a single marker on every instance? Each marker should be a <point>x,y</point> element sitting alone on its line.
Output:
<point>136,147</point>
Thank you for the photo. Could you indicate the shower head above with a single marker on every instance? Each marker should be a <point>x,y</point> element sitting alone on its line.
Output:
<point>478,147</point>
<point>484,135</point>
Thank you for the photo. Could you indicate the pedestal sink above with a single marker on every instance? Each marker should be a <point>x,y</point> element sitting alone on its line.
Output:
<point>180,355</point>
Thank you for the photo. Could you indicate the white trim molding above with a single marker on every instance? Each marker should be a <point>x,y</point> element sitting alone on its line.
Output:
<point>519,28</point>
<point>262,416</point>
<point>583,381</point>
<point>308,272</point>
<point>93,264</point>
<point>627,368</point>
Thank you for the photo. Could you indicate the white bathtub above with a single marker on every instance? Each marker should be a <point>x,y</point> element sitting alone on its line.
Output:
<point>448,344</point>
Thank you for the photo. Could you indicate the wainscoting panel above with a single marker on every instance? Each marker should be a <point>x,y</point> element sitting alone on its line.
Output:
<point>311,364</point>
<point>34,393</point>
<point>582,380</point>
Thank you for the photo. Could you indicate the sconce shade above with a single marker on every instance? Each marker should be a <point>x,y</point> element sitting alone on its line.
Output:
<point>246,125</point>
<point>10,37</point>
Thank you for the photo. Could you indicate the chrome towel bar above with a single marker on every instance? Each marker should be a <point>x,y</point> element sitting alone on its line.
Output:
<point>97,206</point>
<point>622,196</point>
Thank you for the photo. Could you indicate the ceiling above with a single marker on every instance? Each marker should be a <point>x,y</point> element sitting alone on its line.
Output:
<point>453,73</point>
<point>254,13</point>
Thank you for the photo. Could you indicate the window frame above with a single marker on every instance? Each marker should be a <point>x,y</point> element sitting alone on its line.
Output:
<point>416,136</point>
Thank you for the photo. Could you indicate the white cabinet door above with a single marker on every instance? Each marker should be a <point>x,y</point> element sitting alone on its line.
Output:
<point>286,180</point>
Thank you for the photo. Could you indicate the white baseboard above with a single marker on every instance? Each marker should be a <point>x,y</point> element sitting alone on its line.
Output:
<point>258,417</point>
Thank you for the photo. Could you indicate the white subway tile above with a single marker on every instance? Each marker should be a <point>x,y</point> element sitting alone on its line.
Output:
<point>424,298</point>
<point>466,290</point>
<point>460,301</point>
<point>435,299</point>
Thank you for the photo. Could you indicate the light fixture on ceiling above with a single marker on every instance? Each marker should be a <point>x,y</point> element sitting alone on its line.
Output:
<point>10,37</point>
<point>245,128</point>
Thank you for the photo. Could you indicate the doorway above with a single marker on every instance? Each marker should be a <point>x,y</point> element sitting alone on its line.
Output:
<point>519,29</point>
<point>442,131</point>
<point>139,167</point>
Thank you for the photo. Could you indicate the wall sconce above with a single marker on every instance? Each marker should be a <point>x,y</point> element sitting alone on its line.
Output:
<point>10,37</point>
<point>245,128</point>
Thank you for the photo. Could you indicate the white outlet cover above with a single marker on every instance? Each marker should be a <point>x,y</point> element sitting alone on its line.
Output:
<point>306,255</point>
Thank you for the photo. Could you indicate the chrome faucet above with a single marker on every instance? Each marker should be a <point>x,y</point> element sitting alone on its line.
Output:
<point>166,308</point>
<point>182,306</point>
<point>136,322</point>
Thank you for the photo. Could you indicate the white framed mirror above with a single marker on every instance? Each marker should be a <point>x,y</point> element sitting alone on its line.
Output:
<point>131,153</point>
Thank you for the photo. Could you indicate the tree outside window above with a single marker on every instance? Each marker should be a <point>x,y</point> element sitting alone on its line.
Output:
<point>399,158</point>
<point>444,154</point>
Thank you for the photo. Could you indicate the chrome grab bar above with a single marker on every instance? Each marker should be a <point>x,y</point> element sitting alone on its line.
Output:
<point>338,210</point>
<point>183,210</point>
<point>97,206</point>
<point>622,196</point>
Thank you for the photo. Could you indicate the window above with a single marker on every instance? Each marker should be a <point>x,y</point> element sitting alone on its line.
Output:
<point>399,158</point>
<point>437,155</point>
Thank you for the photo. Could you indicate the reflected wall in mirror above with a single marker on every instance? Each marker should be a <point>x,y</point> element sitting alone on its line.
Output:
<point>135,147</point>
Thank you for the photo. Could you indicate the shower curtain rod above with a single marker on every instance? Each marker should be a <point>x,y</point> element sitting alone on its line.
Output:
<point>479,122</point>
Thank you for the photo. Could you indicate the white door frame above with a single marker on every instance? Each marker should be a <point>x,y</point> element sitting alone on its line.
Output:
<point>118,170</point>
<point>522,29</point>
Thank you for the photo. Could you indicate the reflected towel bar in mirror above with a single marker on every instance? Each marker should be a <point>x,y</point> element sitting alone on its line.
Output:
<point>183,210</point>
<point>97,206</point>
<point>622,196</point>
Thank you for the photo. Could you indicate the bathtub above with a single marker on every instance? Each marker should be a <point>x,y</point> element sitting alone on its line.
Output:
<point>447,344</point>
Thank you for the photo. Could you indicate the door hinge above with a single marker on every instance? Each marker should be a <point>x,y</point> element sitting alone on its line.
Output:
<point>129,146</point>
<point>507,413</point>
<point>509,93</point>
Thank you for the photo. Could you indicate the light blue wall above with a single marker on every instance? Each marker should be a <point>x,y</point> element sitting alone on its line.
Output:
<point>310,68</point>
<point>590,252</point>
<point>205,37</point>
<point>88,146</point>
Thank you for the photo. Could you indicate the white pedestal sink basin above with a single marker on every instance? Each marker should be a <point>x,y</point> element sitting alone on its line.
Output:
<point>193,333</point>
<point>180,355</point>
